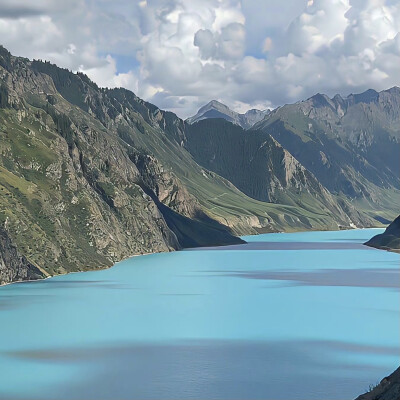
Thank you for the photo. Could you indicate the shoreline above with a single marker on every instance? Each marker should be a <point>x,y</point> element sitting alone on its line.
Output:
<point>397,251</point>
<point>79,272</point>
<point>192,248</point>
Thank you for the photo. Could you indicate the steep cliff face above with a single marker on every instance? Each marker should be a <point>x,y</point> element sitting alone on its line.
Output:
<point>260,167</point>
<point>13,266</point>
<point>256,164</point>
<point>350,144</point>
<point>80,186</point>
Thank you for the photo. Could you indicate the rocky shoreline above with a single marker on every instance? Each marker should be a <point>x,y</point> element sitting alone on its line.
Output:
<point>388,240</point>
<point>14,266</point>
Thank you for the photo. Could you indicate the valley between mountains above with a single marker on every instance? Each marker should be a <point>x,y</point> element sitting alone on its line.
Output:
<point>90,175</point>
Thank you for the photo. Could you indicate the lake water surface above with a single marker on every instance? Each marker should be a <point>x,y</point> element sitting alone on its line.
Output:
<point>302,316</point>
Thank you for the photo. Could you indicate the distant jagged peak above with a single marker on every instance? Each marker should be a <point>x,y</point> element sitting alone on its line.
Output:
<point>321,100</point>
<point>320,105</point>
<point>216,109</point>
<point>255,111</point>
<point>393,90</point>
<point>368,96</point>
<point>216,105</point>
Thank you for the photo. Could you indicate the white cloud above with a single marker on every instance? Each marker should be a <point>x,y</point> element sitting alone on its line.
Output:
<point>319,25</point>
<point>231,41</point>
<point>228,44</point>
<point>267,44</point>
<point>205,41</point>
<point>246,53</point>
<point>108,75</point>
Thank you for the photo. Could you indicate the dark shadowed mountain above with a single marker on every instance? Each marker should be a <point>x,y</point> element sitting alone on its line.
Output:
<point>260,167</point>
<point>351,144</point>
<point>215,109</point>
<point>388,389</point>
<point>308,149</point>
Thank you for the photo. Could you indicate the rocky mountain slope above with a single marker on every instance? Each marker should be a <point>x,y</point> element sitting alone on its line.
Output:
<point>261,168</point>
<point>388,240</point>
<point>14,266</point>
<point>351,144</point>
<point>77,190</point>
<point>215,109</point>
<point>89,176</point>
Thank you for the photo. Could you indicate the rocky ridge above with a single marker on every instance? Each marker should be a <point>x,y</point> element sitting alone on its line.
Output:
<point>215,109</point>
<point>350,144</point>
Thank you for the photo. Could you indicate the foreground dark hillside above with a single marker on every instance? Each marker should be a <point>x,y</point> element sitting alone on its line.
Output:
<point>388,240</point>
<point>388,389</point>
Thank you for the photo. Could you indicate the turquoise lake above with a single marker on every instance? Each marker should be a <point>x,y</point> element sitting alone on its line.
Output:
<point>302,316</point>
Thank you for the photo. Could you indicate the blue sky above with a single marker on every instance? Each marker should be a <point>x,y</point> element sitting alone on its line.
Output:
<point>179,54</point>
<point>124,63</point>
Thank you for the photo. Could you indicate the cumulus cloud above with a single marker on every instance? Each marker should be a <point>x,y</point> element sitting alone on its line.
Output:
<point>205,41</point>
<point>336,45</point>
<point>225,45</point>
<point>109,76</point>
<point>245,53</point>
<point>231,41</point>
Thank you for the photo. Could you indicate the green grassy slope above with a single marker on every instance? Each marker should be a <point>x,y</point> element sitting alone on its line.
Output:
<point>89,176</point>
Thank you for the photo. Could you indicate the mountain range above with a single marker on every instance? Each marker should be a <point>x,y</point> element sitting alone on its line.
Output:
<point>90,175</point>
<point>354,140</point>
